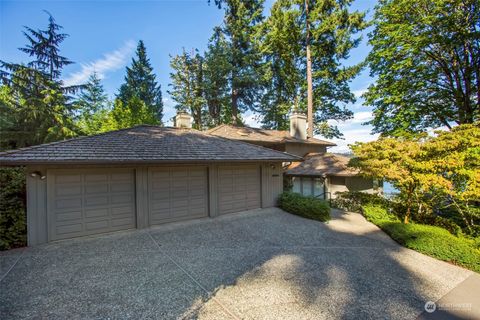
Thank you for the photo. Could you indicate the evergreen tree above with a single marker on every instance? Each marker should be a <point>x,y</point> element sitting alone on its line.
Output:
<point>36,107</point>
<point>330,34</point>
<point>92,104</point>
<point>187,85</point>
<point>216,79</point>
<point>281,41</point>
<point>240,26</point>
<point>44,47</point>
<point>140,82</point>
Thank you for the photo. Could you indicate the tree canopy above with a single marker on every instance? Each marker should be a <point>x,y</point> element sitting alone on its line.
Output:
<point>140,82</point>
<point>426,60</point>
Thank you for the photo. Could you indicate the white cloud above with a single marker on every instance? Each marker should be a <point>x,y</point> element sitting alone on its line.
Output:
<point>352,135</point>
<point>358,93</point>
<point>110,61</point>
<point>251,119</point>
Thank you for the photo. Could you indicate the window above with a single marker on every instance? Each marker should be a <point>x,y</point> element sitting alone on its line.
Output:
<point>318,187</point>
<point>308,186</point>
<point>297,184</point>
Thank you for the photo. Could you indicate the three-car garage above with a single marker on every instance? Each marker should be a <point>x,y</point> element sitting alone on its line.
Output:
<point>141,177</point>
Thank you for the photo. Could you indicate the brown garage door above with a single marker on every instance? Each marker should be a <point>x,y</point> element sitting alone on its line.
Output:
<point>177,193</point>
<point>85,202</point>
<point>238,188</point>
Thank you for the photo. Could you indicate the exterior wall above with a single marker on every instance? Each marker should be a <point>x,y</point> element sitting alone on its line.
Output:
<point>343,184</point>
<point>37,229</point>
<point>37,217</point>
<point>301,149</point>
<point>272,183</point>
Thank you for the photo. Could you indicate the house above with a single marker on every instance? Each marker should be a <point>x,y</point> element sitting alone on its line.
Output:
<point>140,177</point>
<point>322,174</point>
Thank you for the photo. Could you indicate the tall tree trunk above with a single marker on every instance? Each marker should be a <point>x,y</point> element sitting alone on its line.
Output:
<point>309,77</point>
<point>234,106</point>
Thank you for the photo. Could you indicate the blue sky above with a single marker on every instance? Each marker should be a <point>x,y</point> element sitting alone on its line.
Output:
<point>103,37</point>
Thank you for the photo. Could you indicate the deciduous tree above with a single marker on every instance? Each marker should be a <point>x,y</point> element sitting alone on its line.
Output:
<point>426,60</point>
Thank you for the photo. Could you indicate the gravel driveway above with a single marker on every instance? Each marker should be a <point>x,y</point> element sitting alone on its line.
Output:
<point>261,264</point>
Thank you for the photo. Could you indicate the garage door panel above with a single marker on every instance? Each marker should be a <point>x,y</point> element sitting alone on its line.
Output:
<point>70,230</point>
<point>96,188</point>
<point>177,193</point>
<point>68,178</point>
<point>239,188</point>
<point>68,191</point>
<point>103,201</point>
<point>96,213</point>
<point>65,204</point>
<point>69,216</point>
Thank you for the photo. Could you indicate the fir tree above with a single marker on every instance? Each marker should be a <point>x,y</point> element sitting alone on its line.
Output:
<point>330,29</point>
<point>187,86</point>
<point>241,21</point>
<point>140,82</point>
<point>44,47</point>
<point>217,69</point>
<point>37,107</point>
<point>92,105</point>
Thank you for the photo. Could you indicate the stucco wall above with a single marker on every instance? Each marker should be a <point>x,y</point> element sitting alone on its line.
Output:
<point>301,149</point>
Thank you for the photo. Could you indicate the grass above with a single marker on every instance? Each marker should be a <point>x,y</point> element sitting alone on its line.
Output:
<point>307,207</point>
<point>430,240</point>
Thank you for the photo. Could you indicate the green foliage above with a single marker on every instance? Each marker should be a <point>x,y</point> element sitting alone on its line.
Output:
<point>34,103</point>
<point>188,86</point>
<point>433,241</point>
<point>425,59</point>
<point>354,200</point>
<point>333,30</point>
<point>281,47</point>
<point>240,25</point>
<point>126,116</point>
<point>140,83</point>
<point>13,229</point>
<point>92,105</point>
<point>216,83</point>
<point>307,207</point>
<point>432,173</point>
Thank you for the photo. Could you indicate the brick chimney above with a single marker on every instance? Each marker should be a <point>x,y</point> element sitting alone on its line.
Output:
<point>298,125</point>
<point>183,120</point>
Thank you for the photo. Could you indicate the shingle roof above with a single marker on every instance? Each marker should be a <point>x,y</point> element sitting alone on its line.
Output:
<point>144,144</point>
<point>263,135</point>
<point>317,164</point>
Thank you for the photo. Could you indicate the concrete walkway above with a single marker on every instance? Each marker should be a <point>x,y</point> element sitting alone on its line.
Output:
<point>262,264</point>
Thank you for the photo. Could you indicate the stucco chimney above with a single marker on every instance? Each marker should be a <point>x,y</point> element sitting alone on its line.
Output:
<point>183,120</point>
<point>298,125</point>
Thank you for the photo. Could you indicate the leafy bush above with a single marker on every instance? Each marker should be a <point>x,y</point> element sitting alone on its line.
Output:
<point>354,200</point>
<point>431,240</point>
<point>13,229</point>
<point>307,207</point>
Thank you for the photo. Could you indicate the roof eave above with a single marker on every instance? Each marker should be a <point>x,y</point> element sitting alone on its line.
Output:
<point>13,163</point>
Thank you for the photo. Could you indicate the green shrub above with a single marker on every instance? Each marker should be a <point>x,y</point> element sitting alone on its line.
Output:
<point>307,207</point>
<point>13,229</point>
<point>430,240</point>
<point>354,200</point>
<point>376,214</point>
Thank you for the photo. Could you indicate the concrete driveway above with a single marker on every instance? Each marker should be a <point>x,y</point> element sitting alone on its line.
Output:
<point>262,264</point>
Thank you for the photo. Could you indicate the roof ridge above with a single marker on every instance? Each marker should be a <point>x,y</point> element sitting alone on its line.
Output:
<point>254,145</point>
<point>72,139</point>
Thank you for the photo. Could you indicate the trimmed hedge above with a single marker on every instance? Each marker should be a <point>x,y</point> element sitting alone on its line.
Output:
<point>430,240</point>
<point>307,207</point>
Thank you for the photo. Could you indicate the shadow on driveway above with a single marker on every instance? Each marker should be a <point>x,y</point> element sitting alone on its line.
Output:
<point>264,264</point>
